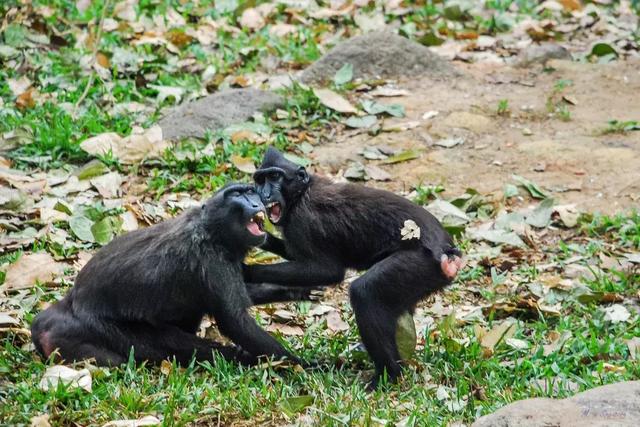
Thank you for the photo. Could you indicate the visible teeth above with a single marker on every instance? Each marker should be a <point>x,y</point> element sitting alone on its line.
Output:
<point>272,204</point>
<point>260,215</point>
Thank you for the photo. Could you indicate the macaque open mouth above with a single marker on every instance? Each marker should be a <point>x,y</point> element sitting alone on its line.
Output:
<point>275,212</point>
<point>256,224</point>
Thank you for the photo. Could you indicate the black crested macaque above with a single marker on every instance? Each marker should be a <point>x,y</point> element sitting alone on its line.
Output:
<point>150,288</point>
<point>329,227</point>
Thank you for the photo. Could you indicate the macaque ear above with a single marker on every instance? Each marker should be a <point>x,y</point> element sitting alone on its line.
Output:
<point>302,175</point>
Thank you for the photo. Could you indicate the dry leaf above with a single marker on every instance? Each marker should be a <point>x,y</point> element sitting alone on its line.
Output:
<point>557,341</point>
<point>40,421</point>
<point>335,322</point>
<point>30,268</point>
<point>126,10</point>
<point>288,330</point>
<point>7,320</point>
<point>320,309</point>
<point>101,144</point>
<point>613,368</point>
<point>634,348</point>
<point>149,420</point>
<point>498,333</point>
<point>25,100</point>
<point>616,313</point>
<point>251,19</point>
<point>19,86</point>
<point>281,30</point>
<point>108,185</point>
<point>332,100</point>
<point>243,164</point>
<point>103,60</point>
<point>83,5</point>
<point>65,375</point>
<point>166,367</point>
<point>129,221</point>
<point>411,230</point>
<point>129,150</point>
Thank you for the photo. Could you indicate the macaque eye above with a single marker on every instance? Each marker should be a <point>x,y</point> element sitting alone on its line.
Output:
<point>235,194</point>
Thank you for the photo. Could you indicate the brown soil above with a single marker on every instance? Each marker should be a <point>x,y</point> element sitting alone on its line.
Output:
<point>580,164</point>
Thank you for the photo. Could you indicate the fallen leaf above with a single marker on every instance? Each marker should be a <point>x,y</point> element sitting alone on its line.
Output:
<point>535,191</point>
<point>101,144</point>
<point>40,421</point>
<point>634,348</point>
<point>129,221</point>
<point>31,268</point>
<point>406,337</point>
<point>7,320</point>
<point>616,313</point>
<point>334,101</point>
<point>81,228</point>
<point>517,344</point>
<point>498,333</point>
<point>125,10</point>
<point>373,153</point>
<point>251,19</point>
<point>376,174</point>
<point>498,237</point>
<point>411,230</point>
<point>450,142</point>
<point>343,75</point>
<point>243,164</point>
<point>540,217</point>
<point>372,107</point>
<point>149,420</point>
<point>608,367</point>
<point>402,157</point>
<point>430,114</point>
<point>287,330</point>
<point>292,405</point>
<point>108,185</point>
<point>355,171</point>
<point>368,22</point>
<point>361,122</point>
<point>557,341</point>
<point>282,30</point>
<point>129,150</point>
<point>19,86</point>
<point>166,367</point>
<point>57,374</point>
<point>568,215</point>
<point>320,309</point>
<point>386,91</point>
<point>335,322</point>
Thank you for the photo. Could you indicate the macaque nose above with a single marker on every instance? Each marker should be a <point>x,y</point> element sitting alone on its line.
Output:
<point>266,192</point>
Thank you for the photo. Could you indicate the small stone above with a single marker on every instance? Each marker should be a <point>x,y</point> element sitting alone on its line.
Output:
<point>379,54</point>
<point>610,405</point>
<point>470,121</point>
<point>541,53</point>
<point>217,111</point>
<point>540,167</point>
<point>527,132</point>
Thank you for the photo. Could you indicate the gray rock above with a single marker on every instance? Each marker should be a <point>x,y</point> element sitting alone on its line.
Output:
<point>378,54</point>
<point>217,111</point>
<point>613,405</point>
<point>541,53</point>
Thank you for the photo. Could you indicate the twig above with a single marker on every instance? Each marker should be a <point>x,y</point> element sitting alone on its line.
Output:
<point>94,56</point>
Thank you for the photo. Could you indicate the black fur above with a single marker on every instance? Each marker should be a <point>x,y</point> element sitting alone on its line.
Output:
<point>330,227</point>
<point>149,290</point>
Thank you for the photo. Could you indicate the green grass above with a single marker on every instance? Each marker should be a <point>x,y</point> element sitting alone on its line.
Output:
<point>595,353</point>
<point>452,358</point>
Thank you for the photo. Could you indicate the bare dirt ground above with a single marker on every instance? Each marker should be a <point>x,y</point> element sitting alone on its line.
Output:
<point>573,159</point>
